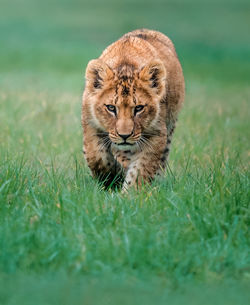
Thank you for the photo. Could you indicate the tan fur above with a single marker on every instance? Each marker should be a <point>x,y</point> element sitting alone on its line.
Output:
<point>141,69</point>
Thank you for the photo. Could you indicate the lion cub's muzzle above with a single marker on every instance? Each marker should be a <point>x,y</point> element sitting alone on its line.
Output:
<point>123,141</point>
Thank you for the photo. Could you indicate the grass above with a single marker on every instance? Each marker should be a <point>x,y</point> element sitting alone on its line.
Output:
<point>63,240</point>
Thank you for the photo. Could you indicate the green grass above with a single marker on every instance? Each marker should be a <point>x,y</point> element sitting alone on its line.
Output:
<point>63,240</point>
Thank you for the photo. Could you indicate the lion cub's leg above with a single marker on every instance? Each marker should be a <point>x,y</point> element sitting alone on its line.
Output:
<point>100,160</point>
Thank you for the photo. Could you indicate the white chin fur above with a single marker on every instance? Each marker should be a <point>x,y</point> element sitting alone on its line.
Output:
<point>125,147</point>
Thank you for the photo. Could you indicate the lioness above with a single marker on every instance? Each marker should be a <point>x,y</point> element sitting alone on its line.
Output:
<point>132,97</point>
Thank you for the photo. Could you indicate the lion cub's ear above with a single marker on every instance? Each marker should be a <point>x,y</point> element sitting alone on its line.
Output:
<point>97,74</point>
<point>153,76</point>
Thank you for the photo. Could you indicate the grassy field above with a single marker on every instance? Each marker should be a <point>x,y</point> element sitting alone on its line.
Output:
<point>63,240</point>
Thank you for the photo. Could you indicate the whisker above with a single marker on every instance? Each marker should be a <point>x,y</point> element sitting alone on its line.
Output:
<point>104,143</point>
<point>148,145</point>
<point>146,142</point>
<point>139,145</point>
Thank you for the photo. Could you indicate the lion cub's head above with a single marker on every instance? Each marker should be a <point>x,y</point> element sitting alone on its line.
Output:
<point>125,102</point>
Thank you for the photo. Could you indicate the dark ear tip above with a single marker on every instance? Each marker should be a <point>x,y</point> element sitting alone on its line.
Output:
<point>154,74</point>
<point>97,73</point>
<point>93,72</point>
<point>154,77</point>
<point>97,85</point>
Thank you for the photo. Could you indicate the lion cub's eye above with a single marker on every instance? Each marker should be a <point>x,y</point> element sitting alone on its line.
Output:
<point>138,108</point>
<point>111,108</point>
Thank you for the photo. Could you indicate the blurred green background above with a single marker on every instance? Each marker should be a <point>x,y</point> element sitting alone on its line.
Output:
<point>61,36</point>
<point>62,239</point>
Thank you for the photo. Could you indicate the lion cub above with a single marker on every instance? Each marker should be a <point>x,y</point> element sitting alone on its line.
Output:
<point>132,97</point>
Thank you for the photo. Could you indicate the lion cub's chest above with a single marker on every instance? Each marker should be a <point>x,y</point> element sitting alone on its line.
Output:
<point>124,157</point>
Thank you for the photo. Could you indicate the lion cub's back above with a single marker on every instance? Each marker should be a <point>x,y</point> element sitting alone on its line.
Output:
<point>157,39</point>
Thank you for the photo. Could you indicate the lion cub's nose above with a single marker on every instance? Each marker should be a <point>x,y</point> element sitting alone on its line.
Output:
<point>124,136</point>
